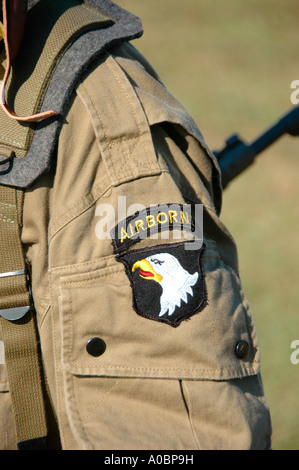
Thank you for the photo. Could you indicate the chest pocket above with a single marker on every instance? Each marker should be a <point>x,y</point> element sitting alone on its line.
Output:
<point>98,304</point>
<point>101,339</point>
<point>3,372</point>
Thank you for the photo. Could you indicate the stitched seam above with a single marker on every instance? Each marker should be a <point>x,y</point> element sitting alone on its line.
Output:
<point>46,311</point>
<point>116,144</point>
<point>77,408</point>
<point>85,204</point>
<point>85,417</point>
<point>6,142</point>
<point>55,358</point>
<point>106,366</point>
<point>67,283</point>
<point>101,122</point>
<point>186,400</point>
<point>147,162</point>
<point>72,378</point>
<point>129,101</point>
<point>70,323</point>
<point>243,302</point>
<point>5,204</point>
<point>6,219</point>
<point>87,263</point>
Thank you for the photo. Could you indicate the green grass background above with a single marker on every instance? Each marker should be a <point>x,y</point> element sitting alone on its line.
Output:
<point>231,63</point>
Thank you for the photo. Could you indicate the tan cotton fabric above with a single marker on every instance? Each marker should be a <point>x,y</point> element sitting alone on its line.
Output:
<point>126,139</point>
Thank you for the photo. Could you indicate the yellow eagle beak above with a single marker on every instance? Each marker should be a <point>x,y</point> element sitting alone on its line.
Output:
<point>146,270</point>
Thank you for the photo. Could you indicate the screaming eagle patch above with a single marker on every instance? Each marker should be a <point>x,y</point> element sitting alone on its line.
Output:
<point>167,282</point>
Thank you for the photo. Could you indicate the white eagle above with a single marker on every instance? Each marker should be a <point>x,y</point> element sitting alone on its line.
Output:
<point>175,281</point>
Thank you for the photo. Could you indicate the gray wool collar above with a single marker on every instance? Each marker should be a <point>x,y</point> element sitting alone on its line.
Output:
<point>22,172</point>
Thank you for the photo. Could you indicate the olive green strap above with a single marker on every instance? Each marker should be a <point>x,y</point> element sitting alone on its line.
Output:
<point>52,26</point>
<point>13,279</point>
<point>19,331</point>
<point>24,376</point>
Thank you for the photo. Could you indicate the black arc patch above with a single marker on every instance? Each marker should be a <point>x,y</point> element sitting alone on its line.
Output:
<point>152,220</point>
<point>167,282</point>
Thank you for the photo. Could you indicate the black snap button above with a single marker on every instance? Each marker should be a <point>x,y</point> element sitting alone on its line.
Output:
<point>242,349</point>
<point>96,347</point>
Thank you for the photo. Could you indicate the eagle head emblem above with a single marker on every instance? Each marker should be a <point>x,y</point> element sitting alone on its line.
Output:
<point>175,281</point>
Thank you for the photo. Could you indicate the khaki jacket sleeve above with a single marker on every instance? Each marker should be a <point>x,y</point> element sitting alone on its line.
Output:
<point>127,145</point>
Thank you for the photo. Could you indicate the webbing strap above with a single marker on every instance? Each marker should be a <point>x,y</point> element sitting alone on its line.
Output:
<point>13,288</point>
<point>17,16</point>
<point>24,376</point>
<point>52,26</point>
<point>19,336</point>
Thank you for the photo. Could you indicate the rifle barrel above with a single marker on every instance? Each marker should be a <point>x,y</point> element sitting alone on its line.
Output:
<point>288,124</point>
<point>237,155</point>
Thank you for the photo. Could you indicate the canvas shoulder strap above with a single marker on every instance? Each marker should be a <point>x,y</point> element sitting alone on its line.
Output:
<point>61,40</point>
<point>18,327</point>
<point>52,26</point>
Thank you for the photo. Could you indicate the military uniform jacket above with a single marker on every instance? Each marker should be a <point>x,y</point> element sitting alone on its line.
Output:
<point>140,330</point>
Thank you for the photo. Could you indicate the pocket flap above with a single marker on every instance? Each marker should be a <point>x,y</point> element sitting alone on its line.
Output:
<point>99,304</point>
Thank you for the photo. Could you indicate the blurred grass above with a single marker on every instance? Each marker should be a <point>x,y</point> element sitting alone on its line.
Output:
<point>231,65</point>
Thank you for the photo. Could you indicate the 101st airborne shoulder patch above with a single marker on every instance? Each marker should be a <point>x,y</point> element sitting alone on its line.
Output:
<point>167,280</point>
